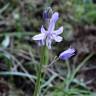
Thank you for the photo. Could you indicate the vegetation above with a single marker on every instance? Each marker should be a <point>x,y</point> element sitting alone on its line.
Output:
<point>20,55</point>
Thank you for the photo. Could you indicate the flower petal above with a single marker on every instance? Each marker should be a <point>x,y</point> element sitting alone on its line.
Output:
<point>51,27</point>
<point>48,43</point>
<point>67,54</point>
<point>53,20</point>
<point>39,37</point>
<point>43,29</point>
<point>40,42</point>
<point>59,31</point>
<point>58,38</point>
<point>55,17</point>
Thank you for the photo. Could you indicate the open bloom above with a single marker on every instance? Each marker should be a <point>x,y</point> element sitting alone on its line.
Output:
<point>47,36</point>
<point>67,54</point>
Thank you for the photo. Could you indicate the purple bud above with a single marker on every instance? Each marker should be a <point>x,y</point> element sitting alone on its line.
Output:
<point>47,13</point>
<point>65,55</point>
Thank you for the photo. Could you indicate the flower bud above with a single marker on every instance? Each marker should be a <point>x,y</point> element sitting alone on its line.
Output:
<point>65,55</point>
<point>47,13</point>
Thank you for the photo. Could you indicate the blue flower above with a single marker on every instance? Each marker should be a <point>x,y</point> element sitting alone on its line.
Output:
<point>50,35</point>
<point>65,55</point>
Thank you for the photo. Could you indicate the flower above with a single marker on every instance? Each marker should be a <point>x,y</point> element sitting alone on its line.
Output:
<point>67,54</point>
<point>47,37</point>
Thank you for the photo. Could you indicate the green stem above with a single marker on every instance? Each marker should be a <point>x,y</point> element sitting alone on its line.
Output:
<point>68,69</point>
<point>68,74</point>
<point>43,61</point>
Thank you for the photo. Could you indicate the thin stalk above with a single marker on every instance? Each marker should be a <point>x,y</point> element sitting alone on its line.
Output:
<point>68,74</point>
<point>43,61</point>
<point>68,69</point>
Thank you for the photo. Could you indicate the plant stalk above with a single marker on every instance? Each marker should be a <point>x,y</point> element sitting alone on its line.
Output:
<point>43,61</point>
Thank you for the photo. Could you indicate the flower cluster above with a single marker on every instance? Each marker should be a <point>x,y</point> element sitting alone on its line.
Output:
<point>46,37</point>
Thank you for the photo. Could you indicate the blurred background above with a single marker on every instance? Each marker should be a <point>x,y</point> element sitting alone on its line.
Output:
<point>22,19</point>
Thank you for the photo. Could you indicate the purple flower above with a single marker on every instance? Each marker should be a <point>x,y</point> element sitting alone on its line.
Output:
<point>67,54</point>
<point>50,35</point>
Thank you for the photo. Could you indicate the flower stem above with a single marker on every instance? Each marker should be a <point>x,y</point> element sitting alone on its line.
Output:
<point>43,61</point>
